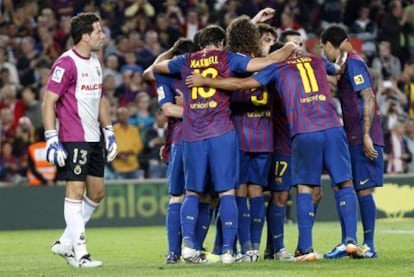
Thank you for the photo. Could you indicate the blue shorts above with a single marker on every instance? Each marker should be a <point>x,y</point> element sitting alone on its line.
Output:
<point>367,173</point>
<point>254,167</point>
<point>218,156</point>
<point>175,173</point>
<point>313,152</point>
<point>280,175</point>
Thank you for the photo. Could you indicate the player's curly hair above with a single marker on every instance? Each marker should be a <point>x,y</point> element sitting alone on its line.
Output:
<point>243,36</point>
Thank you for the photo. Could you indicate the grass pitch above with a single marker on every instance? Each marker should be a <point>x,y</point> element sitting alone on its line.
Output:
<point>133,251</point>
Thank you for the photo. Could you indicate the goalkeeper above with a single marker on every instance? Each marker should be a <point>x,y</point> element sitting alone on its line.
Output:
<point>74,98</point>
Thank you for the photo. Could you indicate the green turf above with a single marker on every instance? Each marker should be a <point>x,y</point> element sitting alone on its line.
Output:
<point>141,252</point>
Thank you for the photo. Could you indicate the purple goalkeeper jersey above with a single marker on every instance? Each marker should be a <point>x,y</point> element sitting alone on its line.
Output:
<point>356,78</point>
<point>78,82</point>
<point>251,113</point>
<point>304,90</point>
<point>207,110</point>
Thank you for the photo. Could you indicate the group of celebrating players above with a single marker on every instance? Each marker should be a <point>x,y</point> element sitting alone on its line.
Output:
<point>257,114</point>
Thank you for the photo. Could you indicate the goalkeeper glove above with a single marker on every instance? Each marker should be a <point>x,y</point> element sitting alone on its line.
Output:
<point>55,152</point>
<point>110,143</point>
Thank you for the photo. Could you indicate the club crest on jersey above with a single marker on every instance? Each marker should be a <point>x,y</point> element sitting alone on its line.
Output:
<point>98,71</point>
<point>359,79</point>
<point>161,93</point>
<point>58,74</point>
<point>77,170</point>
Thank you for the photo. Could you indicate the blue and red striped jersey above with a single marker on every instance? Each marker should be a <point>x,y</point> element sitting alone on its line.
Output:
<point>282,139</point>
<point>304,90</point>
<point>356,78</point>
<point>166,91</point>
<point>207,110</point>
<point>251,113</point>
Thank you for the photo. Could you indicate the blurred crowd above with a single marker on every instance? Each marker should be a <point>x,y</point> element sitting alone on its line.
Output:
<point>34,33</point>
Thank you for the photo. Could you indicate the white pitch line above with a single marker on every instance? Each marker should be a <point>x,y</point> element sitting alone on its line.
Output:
<point>404,232</point>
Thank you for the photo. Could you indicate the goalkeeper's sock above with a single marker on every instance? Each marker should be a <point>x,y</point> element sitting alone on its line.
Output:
<point>229,221</point>
<point>243,230</point>
<point>257,215</point>
<point>368,214</point>
<point>76,226</point>
<point>88,208</point>
<point>189,218</point>
<point>173,226</point>
<point>306,218</point>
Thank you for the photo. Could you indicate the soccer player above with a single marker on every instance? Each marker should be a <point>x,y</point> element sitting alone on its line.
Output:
<point>74,97</point>
<point>318,139</point>
<point>363,129</point>
<point>210,143</point>
<point>251,117</point>
<point>166,90</point>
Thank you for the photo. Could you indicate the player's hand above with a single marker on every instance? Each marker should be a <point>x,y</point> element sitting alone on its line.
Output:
<point>368,148</point>
<point>263,15</point>
<point>179,98</point>
<point>346,46</point>
<point>110,143</point>
<point>194,80</point>
<point>55,152</point>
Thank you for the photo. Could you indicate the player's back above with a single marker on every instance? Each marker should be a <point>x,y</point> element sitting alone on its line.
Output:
<point>304,90</point>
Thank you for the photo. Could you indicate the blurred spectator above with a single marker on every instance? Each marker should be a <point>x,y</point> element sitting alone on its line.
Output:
<point>391,114</point>
<point>7,126</point>
<point>230,8</point>
<point>408,21</point>
<point>14,76</point>
<point>131,62</point>
<point>409,139</point>
<point>192,25</point>
<point>299,10</point>
<point>388,65</point>
<point>62,35</point>
<point>174,13</point>
<point>37,70</point>
<point>331,12</point>
<point>288,23</point>
<point>39,170</point>
<point>167,33</point>
<point>8,98</point>
<point>29,54</point>
<point>139,7</point>
<point>108,87</point>
<point>33,111</point>
<point>142,117</point>
<point>10,170</point>
<point>154,140</point>
<point>366,29</point>
<point>112,68</point>
<point>136,84</point>
<point>405,83</point>
<point>391,28</point>
<point>396,152</point>
<point>47,45</point>
<point>388,93</point>
<point>152,48</point>
<point>126,165</point>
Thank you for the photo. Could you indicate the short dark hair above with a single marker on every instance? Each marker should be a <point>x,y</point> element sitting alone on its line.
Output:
<point>276,46</point>
<point>335,34</point>
<point>211,35</point>
<point>182,46</point>
<point>266,28</point>
<point>81,24</point>
<point>283,36</point>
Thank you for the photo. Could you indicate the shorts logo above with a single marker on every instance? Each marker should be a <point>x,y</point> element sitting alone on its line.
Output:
<point>363,182</point>
<point>358,79</point>
<point>58,74</point>
<point>77,170</point>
